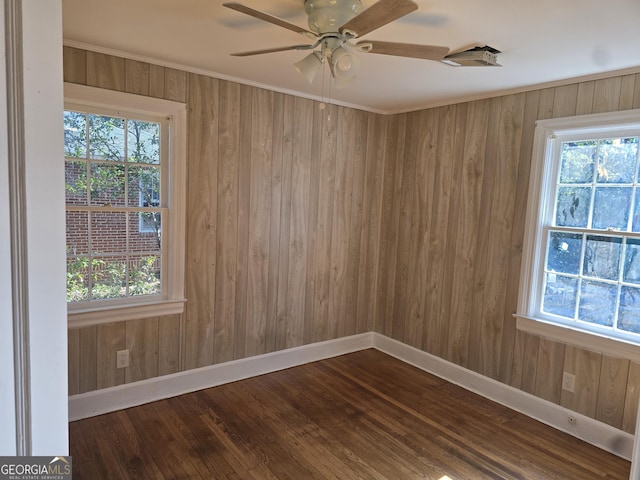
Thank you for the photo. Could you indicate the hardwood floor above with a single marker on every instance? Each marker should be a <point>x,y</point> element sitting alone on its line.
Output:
<point>359,416</point>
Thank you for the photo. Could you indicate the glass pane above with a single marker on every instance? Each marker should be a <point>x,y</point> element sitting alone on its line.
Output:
<point>145,232</point>
<point>560,295</point>
<point>611,207</point>
<point>143,141</point>
<point>108,232</point>
<point>597,303</point>
<point>632,262</point>
<point>573,206</point>
<point>144,187</point>
<point>629,314</point>
<point>77,279</point>
<point>77,233</point>
<point>106,138</point>
<point>617,160</point>
<point>109,278</point>
<point>564,252</point>
<point>75,134</point>
<point>144,275</point>
<point>602,257</point>
<point>75,182</point>
<point>107,184</point>
<point>636,213</point>
<point>577,162</point>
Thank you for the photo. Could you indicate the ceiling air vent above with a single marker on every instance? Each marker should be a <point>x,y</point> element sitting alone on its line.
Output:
<point>474,57</point>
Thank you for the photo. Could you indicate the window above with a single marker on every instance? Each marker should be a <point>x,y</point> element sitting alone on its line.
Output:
<point>124,179</point>
<point>581,259</point>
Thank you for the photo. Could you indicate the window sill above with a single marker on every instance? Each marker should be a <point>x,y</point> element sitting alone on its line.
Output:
<point>590,341</point>
<point>110,314</point>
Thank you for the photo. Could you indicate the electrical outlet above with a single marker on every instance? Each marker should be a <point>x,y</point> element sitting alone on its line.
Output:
<point>568,382</point>
<point>122,358</point>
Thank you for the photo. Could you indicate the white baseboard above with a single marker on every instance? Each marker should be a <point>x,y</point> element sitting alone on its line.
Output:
<point>585,428</point>
<point>129,395</point>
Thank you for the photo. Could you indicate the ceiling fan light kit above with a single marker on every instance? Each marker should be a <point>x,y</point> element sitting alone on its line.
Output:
<point>334,24</point>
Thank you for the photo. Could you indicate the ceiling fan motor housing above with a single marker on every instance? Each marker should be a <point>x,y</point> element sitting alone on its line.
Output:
<point>327,16</point>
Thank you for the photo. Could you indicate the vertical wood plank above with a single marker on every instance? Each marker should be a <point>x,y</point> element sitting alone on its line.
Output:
<point>584,102</point>
<point>74,64</point>
<point>282,318</point>
<point>419,251</point>
<point>441,234</point>
<point>565,99</point>
<point>632,397</point>
<point>549,370</point>
<point>326,189</point>
<point>530,363</point>
<point>105,71</point>
<point>259,221</point>
<point>142,343</point>
<point>467,231</point>
<point>276,176</point>
<point>606,94</point>
<point>111,338</point>
<point>175,85</point>
<point>612,391</point>
<point>156,81</point>
<point>169,341</point>
<point>586,367</point>
<point>627,90</point>
<point>201,221</point>
<point>136,77</point>
<point>227,220</point>
<point>88,359</point>
<point>73,359</point>
<point>301,147</point>
<point>244,198</point>
<point>636,92</point>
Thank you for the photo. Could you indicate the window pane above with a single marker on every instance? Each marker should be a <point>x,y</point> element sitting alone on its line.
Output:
<point>77,279</point>
<point>108,232</point>
<point>75,182</point>
<point>143,141</point>
<point>573,206</point>
<point>564,254</point>
<point>106,138</point>
<point>577,162</point>
<point>617,160</point>
<point>77,233</point>
<point>560,295</point>
<point>75,134</point>
<point>629,315</point>
<point>144,275</point>
<point>144,187</point>
<point>597,302</point>
<point>636,213</point>
<point>144,232</point>
<point>602,257</point>
<point>632,262</point>
<point>611,207</point>
<point>109,278</point>
<point>107,184</point>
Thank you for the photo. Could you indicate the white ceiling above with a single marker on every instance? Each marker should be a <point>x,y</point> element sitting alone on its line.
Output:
<point>543,42</point>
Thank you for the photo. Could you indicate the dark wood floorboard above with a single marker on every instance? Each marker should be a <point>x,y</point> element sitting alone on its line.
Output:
<point>364,415</point>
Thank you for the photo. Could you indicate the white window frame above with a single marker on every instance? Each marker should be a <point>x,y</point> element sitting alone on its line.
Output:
<point>542,183</point>
<point>172,300</point>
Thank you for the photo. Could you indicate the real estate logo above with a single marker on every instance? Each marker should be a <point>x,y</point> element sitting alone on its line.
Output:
<point>35,468</point>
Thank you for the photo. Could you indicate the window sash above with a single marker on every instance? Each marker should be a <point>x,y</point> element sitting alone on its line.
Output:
<point>548,138</point>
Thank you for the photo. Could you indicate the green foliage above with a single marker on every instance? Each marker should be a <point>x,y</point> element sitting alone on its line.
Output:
<point>108,279</point>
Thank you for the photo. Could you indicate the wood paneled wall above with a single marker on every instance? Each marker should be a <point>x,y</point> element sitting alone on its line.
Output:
<point>453,206</point>
<point>282,226</point>
<point>284,245</point>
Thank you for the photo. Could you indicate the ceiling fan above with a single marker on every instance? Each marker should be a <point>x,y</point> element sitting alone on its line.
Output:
<point>334,25</point>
